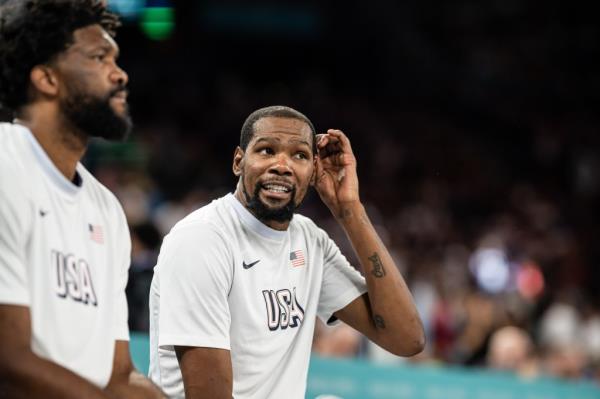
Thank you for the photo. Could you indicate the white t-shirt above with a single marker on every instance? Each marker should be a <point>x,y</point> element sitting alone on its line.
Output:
<point>64,253</point>
<point>226,280</point>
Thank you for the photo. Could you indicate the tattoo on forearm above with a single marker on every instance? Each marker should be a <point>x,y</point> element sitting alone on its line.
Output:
<point>365,220</point>
<point>378,270</point>
<point>346,213</point>
<point>379,322</point>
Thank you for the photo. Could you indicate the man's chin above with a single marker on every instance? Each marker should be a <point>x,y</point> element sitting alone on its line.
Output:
<point>266,211</point>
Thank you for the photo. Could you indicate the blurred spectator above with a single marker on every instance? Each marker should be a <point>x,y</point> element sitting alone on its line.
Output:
<point>511,349</point>
<point>564,362</point>
<point>560,326</point>
<point>339,340</point>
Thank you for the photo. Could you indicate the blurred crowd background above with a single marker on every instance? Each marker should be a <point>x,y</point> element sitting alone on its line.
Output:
<point>476,129</point>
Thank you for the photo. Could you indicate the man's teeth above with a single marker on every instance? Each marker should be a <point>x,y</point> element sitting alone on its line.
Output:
<point>276,188</point>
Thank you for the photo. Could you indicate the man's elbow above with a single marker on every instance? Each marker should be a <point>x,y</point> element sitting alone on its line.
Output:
<point>408,348</point>
<point>407,345</point>
<point>416,345</point>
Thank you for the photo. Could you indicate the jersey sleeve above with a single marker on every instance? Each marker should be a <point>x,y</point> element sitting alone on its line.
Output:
<point>15,217</point>
<point>123,261</point>
<point>341,282</point>
<point>195,275</point>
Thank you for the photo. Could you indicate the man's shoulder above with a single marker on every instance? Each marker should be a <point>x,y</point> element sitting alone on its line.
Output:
<point>305,223</point>
<point>13,157</point>
<point>208,220</point>
<point>13,144</point>
<point>312,233</point>
<point>202,231</point>
<point>104,199</point>
<point>9,130</point>
<point>90,183</point>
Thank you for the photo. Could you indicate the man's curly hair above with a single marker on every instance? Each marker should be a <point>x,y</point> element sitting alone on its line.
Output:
<point>34,32</point>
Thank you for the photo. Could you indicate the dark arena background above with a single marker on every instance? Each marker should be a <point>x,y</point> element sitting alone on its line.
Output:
<point>477,133</point>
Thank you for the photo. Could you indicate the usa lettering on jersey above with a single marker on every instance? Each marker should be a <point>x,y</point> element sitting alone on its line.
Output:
<point>73,278</point>
<point>283,309</point>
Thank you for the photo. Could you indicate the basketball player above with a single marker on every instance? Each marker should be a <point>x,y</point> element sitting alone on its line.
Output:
<point>64,242</point>
<point>239,282</point>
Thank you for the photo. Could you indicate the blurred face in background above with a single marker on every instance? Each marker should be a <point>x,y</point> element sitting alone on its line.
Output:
<point>275,170</point>
<point>92,96</point>
<point>510,348</point>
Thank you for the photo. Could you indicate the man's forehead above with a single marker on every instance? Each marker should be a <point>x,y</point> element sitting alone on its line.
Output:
<point>93,35</point>
<point>282,125</point>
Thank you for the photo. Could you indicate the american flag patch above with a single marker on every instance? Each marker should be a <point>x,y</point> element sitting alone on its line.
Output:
<point>96,233</point>
<point>297,258</point>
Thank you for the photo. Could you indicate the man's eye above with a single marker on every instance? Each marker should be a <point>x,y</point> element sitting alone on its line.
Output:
<point>99,57</point>
<point>301,155</point>
<point>266,151</point>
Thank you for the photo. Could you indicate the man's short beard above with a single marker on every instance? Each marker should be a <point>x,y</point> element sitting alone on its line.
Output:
<point>94,117</point>
<point>266,214</point>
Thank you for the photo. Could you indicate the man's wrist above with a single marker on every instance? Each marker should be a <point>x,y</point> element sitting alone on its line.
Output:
<point>350,212</point>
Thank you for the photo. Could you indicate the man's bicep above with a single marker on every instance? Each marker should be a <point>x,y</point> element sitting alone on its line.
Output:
<point>358,315</point>
<point>206,372</point>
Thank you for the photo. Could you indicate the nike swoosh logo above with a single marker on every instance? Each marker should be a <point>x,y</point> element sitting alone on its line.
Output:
<point>249,265</point>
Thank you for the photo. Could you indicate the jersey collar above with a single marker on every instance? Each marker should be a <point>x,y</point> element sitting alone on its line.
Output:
<point>251,221</point>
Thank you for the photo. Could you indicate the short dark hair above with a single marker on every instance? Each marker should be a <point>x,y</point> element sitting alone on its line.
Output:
<point>277,111</point>
<point>34,32</point>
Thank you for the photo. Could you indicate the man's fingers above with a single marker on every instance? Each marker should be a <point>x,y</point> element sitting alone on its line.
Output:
<point>334,142</point>
<point>341,138</point>
<point>320,173</point>
<point>323,171</point>
<point>329,146</point>
<point>318,169</point>
<point>321,140</point>
<point>324,140</point>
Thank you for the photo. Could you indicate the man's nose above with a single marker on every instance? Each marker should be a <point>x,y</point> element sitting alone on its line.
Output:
<point>281,166</point>
<point>119,76</point>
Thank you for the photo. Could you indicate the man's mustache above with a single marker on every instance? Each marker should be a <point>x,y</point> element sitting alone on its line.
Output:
<point>118,90</point>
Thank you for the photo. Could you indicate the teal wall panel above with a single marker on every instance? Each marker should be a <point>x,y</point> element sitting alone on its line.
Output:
<point>357,379</point>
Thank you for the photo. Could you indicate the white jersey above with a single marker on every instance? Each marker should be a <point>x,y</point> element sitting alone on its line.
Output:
<point>64,253</point>
<point>226,280</point>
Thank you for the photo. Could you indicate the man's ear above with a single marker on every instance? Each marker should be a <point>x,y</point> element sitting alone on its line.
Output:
<point>238,161</point>
<point>313,177</point>
<point>44,80</point>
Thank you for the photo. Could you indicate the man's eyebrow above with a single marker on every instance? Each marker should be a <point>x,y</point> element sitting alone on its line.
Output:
<point>110,48</point>
<point>267,139</point>
<point>105,46</point>
<point>300,142</point>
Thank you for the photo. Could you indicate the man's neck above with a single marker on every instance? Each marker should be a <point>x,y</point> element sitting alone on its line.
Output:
<point>64,147</point>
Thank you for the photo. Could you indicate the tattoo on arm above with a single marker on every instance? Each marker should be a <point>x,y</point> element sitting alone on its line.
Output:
<point>365,220</point>
<point>378,270</point>
<point>379,322</point>
<point>346,213</point>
